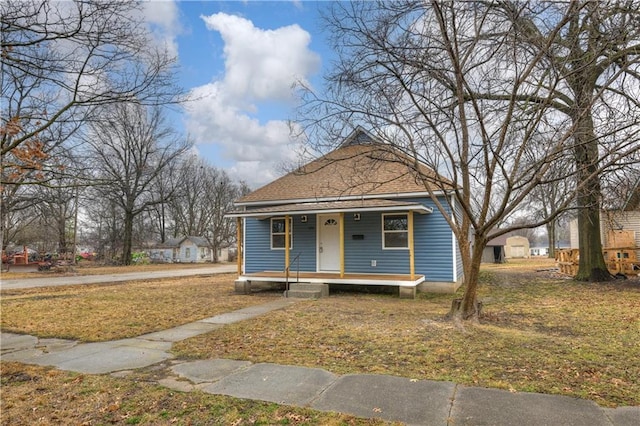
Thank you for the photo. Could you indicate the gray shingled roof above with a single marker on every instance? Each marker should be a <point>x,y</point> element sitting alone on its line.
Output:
<point>370,169</point>
<point>175,242</point>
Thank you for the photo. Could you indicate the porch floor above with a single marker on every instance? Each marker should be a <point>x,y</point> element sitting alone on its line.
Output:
<point>335,278</point>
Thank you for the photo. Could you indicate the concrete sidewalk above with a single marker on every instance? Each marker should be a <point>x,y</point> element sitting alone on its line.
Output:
<point>114,278</point>
<point>414,402</point>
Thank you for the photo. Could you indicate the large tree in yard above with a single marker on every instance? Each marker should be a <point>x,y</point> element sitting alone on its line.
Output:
<point>446,83</point>
<point>596,56</point>
<point>128,148</point>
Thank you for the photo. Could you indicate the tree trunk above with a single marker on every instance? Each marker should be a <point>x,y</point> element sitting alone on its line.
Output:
<point>591,265</point>
<point>468,307</point>
<point>127,237</point>
<point>62,235</point>
<point>551,233</point>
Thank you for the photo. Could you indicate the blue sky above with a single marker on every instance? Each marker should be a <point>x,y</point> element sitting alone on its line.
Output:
<point>239,61</point>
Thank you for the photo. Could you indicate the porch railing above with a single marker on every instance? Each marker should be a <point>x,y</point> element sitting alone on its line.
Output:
<point>286,273</point>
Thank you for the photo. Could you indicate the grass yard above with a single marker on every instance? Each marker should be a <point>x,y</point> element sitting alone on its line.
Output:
<point>93,313</point>
<point>538,333</point>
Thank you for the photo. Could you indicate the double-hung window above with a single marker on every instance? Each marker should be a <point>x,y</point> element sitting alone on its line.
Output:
<point>278,233</point>
<point>395,231</point>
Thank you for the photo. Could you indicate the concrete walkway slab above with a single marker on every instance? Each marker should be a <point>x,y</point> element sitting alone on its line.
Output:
<point>144,344</point>
<point>210,370</point>
<point>275,383</point>
<point>10,342</point>
<point>249,312</point>
<point>77,351</point>
<point>182,332</point>
<point>624,416</point>
<point>391,398</point>
<point>95,358</point>
<point>22,355</point>
<point>480,406</point>
<point>55,345</point>
<point>228,318</point>
<point>115,359</point>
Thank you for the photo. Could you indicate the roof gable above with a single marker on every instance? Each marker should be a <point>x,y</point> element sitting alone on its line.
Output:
<point>361,166</point>
<point>177,242</point>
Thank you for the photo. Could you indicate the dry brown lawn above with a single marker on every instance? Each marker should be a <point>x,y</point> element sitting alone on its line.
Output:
<point>93,313</point>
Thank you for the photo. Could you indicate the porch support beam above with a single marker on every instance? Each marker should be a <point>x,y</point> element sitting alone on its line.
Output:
<point>341,244</point>
<point>412,262</point>
<point>287,230</point>
<point>239,242</point>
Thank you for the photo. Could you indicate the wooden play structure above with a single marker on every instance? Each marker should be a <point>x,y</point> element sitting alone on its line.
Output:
<point>621,257</point>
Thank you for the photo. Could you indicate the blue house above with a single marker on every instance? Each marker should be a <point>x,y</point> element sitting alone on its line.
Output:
<point>359,215</point>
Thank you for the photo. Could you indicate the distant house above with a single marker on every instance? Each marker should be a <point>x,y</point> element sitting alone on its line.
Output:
<point>358,215</point>
<point>182,250</point>
<point>539,251</point>
<point>619,228</point>
<point>505,247</point>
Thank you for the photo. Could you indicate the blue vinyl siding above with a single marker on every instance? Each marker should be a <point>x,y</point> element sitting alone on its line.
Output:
<point>260,257</point>
<point>359,253</point>
<point>433,242</point>
<point>433,245</point>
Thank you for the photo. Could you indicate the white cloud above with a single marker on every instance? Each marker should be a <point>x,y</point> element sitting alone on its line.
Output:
<point>164,23</point>
<point>260,66</point>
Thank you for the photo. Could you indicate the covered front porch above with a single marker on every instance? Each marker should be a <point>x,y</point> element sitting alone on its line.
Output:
<point>406,283</point>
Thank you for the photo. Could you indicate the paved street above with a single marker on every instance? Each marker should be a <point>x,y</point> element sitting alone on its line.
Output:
<point>113,278</point>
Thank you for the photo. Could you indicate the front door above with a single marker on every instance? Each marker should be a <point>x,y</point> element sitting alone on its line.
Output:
<point>329,243</point>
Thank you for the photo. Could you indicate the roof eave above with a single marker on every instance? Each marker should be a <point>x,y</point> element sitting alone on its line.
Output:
<point>418,208</point>
<point>338,198</point>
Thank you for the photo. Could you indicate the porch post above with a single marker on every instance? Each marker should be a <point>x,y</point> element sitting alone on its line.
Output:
<point>341,245</point>
<point>287,229</point>
<point>240,240</point>
<point>412,263</point>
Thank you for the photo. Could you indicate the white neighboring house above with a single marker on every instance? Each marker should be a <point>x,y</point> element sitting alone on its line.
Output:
<point>539,251</point>
<point>182,250</point>
<point>506,247</point>
<point>623,224</point>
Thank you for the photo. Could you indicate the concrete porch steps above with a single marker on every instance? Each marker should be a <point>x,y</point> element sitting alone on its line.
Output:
<point>307,290</point>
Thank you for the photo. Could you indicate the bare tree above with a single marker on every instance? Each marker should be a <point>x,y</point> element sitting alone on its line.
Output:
<point>190,208</point>
<point>56,208</point>
<point>592,48</point>
<point>59,59</point>
<point>203,196</point>
<point>59,62</point>
<point>411,71</point>
<point>103,226</point>
<point>130,146</point>
<point>549,199</point>
<point>164,188</point>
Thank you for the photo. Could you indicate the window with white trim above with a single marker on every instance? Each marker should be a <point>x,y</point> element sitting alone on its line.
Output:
<point>278,233</point>
<point>395,231</point>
